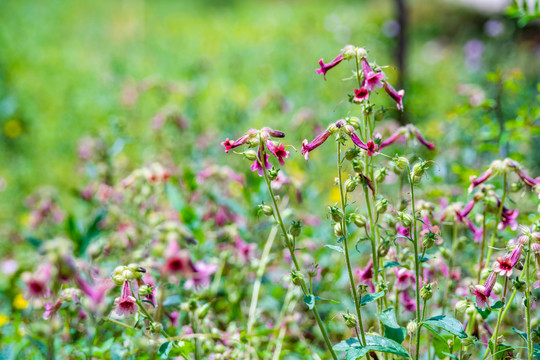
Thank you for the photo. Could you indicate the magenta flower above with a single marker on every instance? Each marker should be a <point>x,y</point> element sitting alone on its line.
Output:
<point>38,283</point>
<point>201,278</point>
<point>397,96</point>
<point>505,265</point>
<point>241,141</point>
<point>126,304</point>
<point>325,67</point>
<point>370,147</point>
<point>404,278</point>
<point>51,309</point>
<point>318,141</point>
<point>466,210</point>
<point>366,274</point>
<point>408,303</point>
<point>372,79</point>
<point>362,93</point>
<point>244,250</point>
<point>508,218</point>
<point>257,166</point>
<point>477,232</point>
<point>95,292</point>
<point>177,261</point>
<point>394,137</point>
<point>273,133</point>
<point>402,232</point>
<point>423,141</point>
<point>475,181</point>
<point>278,151</point>
<point>483,292</point>
<point>410,131</point>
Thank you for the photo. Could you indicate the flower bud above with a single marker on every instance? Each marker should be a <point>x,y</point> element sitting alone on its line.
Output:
<point>350,185</point>
<point>349,52</point>
<point>338,231</point>
<point>361,52</point>
<point>497,289</point>
<point>354,122</point>
<point>381,206</point>
<point>516,186</point>
<point>313,271</point>
<point>401,163</point>
<point>381,174</point>
<point>357,165</point>
<point>297,278</point>
<point>192,304</point>
<point>289,241</point>
<point>428,242</point>
<point>250,155</point>
<point>535,248</point>
<point>403,204</point>
<point>411,327</point>
<point>118,279</point>
<point>350,320</point>
<point>445,253</point>
<point>358,220</point>
<point>405,218</point>
<point>462,306</point>
<point>490,202</point>
<point>119,270</point>
<point>383,248</point>
<point>519,285</point>
<point>145,290</point>
<point>273,174</point>
<point>471,310</point>
<point>352,153</point>
<point>266,210</point>
<point>362,289</point>
<point>335,213</point>
<point>450,343</point>
<point>468,341</point>
<point>426,292</point>
<point>155,328</point>
<point>127,274</point>
<point>416,179</point>
<point>391,220</point>
<point>296,228</point>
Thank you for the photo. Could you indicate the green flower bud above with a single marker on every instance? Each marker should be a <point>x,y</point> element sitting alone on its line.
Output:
<point>250,155</point>
<point>350,185</point>
<point>351,153</point>
<point>391,220</point>
<point>350,320</point>
<point>273,174</point>
<point>517,186</point>
<point>401,163</point>
<point>403,204</point>
<point>361,52</point>
<point>358,220</point>
<point>349,52</point>
<point>362,289</point>
<point>296,228</point>
<point>445,253</point>
<point>381,174</point>
<point>519,285</point>
<point>383,248</point>
<point>145,290</point>
<point>381,206</point>
<point>155,328</point>
<point>354,122</point>
<point>416,179</point>
<point>313,271</point>
<point>357,165</point>
<point>127,274</point>
<point>335,213</point>
<point>468,341</point>
<point>471,310</point>
<point>412,326</point>
<point>266,209</point>
<point>118,279</point>
<point>338,231</point>
<point>462,306</point>
<point>297,278</point>
<point>193,305</point>
<point>426,292</point>
<point>428,242</point>
<point>450,343</point>
<point>119,270</point>
<point>405,218</point>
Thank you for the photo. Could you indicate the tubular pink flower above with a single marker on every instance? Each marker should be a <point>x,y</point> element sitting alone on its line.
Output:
<point>505,265</point>
<point>372,79</point>
<point>475,181</point>
<point>408,303</point>
<point>126,304</point>
<point>278,151</point>
<point>201,278</point>
<point>256,166</point>
<point>365,274</point>
<point>325,67</point>
<point>483,292</point>
<point>423,141</point>
<point>477,232</point>
<point>318,141</point>
<point>393,138</point>
<point>404,278</point>
<point>38,282</point>
<point>177,261</point>
<point>508,218</point>
<point>397,96</point>
<point>51,309</point>
<point>241,141</point>
<point>370,147</point>
<point>466,210</point>
<point>273,133</point>
<point>361,94</point>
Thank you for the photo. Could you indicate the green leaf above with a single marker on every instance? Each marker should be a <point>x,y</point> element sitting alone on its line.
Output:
<point>310,301</point>
<point>165,349</point>
<point>392,330</point>
<point>425,258</point>
<point>392,264</point>
<point>366,299</point>
<point>327,300</point>
<point>356,354</point>
<point>92,231</point>
<point>484,313</point>
<point>447,323</point>
<point>373,343</point>
<point>336,248</point>
<point>499,304</point>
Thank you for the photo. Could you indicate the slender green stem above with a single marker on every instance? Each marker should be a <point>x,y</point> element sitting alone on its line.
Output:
<point>292,253</point>
<point>416,266</point>
<point>346,249</point>
<point>499,213</point>
<point>527,296</point>
<point>481,261</point>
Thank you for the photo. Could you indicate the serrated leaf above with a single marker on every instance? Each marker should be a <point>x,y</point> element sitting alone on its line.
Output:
<point>373,343</point>
<point>366,299</point>
<point>310,301</point>
<point>447,323</point>
<point>336,248</point>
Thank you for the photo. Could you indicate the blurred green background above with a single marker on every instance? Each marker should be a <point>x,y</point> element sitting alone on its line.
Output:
<point>107,68</point>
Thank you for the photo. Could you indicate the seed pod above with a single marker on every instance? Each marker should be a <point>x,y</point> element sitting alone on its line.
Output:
<point>405,218</point>
<point>381,174</point>
<point>297,278</point>
<point>266,210</point>
<point>357,165</point>
<point>250,155</point>
<point>411,327</point>
<point>296,228</point>
<point>401,163</point>
<point>462,306</point>
<point>350,185</point>
<point>381,206</point>
<point>335,213</point>
<point>350,320</point>
<point>351,153</point>
<point>358,220</point>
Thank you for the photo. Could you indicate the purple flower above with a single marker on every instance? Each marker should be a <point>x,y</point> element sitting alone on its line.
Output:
<point>397,96</point>
<point>466,210</point>
<point>478,232</point>
<point>483,292</point>
<point>475,181</point>
<point>423,141</point>
<point>318,141</point>
<point>372,79</point>
<point>277,150</point>
<point>256,166</point>
<point>505,265</point>
<point>362,93</point>
<point>273,133</point>
<point>51,309</point>
<point>408,303</point>
<point>202,275</point>
<point>126,304</point>
<point>508,218</point>
<point>325,67</point>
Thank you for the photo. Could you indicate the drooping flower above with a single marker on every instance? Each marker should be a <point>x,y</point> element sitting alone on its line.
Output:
<point>475,181</point>
<point>372,78</point>
<point>366,274</point>
<point>397,96</point>
<point>278,151</point>
<point>257,166</point>
<point>126,304</point>
<point>177,261</point>
<point>508,218</point>
<point>38,282</point>
<point>51,308</point>
<point>505,265</point>
<point>325,67</point>
<point>466,210</point>
<point>483,292</point>
<point>410,131</point>
<point>318,141</point>
<point>405,300</point>
<point>370,147</point>
<point>241,141</point>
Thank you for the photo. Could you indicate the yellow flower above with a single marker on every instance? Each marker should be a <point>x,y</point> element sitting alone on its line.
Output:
<point>19,302</point>
<point>4,320</point>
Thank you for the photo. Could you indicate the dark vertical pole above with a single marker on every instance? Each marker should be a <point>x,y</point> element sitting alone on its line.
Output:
<point>401,52</point>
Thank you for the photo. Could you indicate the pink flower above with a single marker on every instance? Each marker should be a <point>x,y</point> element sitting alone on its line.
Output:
<point>397,96</point>
<point>177,261</point>
<point>372,79</point>
<point>244,250</point>
<point>508,218</point>
<point>475,181</point>
<point>478,232</point>
<point>325,67</point>
<point>402,232</point>
<point>361,94</point>
<point>278,151</point>
<point>466,210</point>
<point>241,141</point>
<point>408,303</point>
<point>202,275</point>
<point>505,265</point>
<point>126,304</point>
<point>38,282</point>
<point>366,274</point>
<point>483,292</point>
<point>51,309</point>
<point>370,147</point>
<point>318,141</point>
<point>256,166</point>
<point>95,292</point>
<point>404,278</point>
